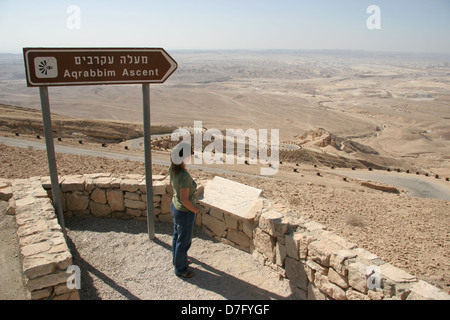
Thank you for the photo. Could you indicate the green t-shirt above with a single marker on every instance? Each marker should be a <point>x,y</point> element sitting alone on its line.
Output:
<point>181,181</point>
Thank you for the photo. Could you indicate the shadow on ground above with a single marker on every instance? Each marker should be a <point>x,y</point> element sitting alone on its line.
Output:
<point>207,277</point>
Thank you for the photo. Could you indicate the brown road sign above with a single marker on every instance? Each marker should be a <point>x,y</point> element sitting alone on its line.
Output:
<point>96,66</point>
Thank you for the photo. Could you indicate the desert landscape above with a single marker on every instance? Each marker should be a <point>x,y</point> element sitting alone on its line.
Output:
<point>347,113</point>
<point>396,104</point>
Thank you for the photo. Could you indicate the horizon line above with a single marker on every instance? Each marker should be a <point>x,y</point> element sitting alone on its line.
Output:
<point>254,50</point>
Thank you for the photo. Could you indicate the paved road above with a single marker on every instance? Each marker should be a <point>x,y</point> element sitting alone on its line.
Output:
<point>422,187</point>
<point>139,143</point>
<point>116,156</point>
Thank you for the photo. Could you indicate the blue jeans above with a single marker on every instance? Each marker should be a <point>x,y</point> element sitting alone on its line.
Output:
<point>182,238</point>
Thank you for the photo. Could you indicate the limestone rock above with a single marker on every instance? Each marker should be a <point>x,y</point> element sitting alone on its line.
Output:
<point>100,210</point>
<point>47,281</point>
<point>133,196</point>
<point>231,221</point>
<point>215,225</point>
<point>72,183</point>
<point>216,213</point>
<point>159,187</point>
<point>280,254</point>
<point>296,273</point>
<point>395,274</point>
<point>265,244</point>
<point>115,200</point>
<point>272,223</point>
<point>232,197</point>
<point>166,200</point>
<point>314,269</point>
<point>338,279</point>
<point>77,201</point>
<point>425,291</point>
<point>37,266</point>
<point>129,185</point>
<point>338,258</point>
<point>329,288</point>
<point>140,205</point>
<point>357,276</point>
<point>352,294</point>
<point>99,196</point>
<point>239,238</point>
<point>321,250</point>
<point>292,242</point>
<point>314,293</point>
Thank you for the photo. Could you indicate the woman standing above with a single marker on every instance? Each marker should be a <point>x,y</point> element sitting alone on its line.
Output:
<point>182,208</point>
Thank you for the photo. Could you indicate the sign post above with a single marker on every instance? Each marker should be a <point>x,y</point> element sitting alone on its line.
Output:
<point>97,66</point>
<point>56,192</point>
<point>148,161</point>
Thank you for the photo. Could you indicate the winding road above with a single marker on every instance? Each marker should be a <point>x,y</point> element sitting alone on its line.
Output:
<point>115,156</point>
<point>416,186</point>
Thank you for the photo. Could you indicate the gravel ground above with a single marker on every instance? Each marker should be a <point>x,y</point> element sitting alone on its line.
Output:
<point>11,283</point>
<point>118,261</point>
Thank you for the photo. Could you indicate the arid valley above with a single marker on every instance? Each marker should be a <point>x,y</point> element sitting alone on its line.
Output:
<point>395,104</point>
<point>384,112</point>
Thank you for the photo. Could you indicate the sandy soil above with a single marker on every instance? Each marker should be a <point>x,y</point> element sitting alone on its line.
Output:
<point>411,233</point>
<point>12,287</point>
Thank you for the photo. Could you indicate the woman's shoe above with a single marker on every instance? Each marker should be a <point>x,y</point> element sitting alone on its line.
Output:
<point>188,274</point>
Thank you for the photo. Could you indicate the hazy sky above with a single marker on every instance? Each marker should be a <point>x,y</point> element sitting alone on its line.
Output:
<point>406,25</point>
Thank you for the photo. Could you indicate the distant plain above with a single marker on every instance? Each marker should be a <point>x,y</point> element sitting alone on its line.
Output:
<point>397,104</point>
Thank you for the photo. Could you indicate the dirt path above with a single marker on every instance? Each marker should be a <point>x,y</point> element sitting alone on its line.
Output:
<point>11,284</point>
<point>118,261</point>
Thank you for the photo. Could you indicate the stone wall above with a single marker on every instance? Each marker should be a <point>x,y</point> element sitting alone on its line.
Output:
<point>103,196</point>
<point>321,265</point>
<point>45,256</point>
<point>318,263</point>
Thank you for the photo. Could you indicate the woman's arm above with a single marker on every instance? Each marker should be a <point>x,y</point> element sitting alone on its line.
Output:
<point>184,198</point>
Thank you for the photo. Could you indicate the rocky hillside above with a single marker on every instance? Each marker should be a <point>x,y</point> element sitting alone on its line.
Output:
<point>29,121</point>
<point>325,148</point>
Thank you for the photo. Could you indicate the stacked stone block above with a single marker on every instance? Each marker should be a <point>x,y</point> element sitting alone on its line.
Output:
<point>226,227</point>
<point>323,266</point>
<point>103,196</point>
<point>319,264</point>
<point>44,252</point>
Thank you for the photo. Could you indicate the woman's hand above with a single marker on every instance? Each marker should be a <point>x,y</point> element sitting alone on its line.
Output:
<point>184,198</point>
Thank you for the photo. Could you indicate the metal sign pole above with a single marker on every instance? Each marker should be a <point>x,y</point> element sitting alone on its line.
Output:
<point>46,117</point>
<point>148,161</point>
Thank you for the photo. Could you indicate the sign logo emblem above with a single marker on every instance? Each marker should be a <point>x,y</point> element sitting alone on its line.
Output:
<point>46,67</point>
